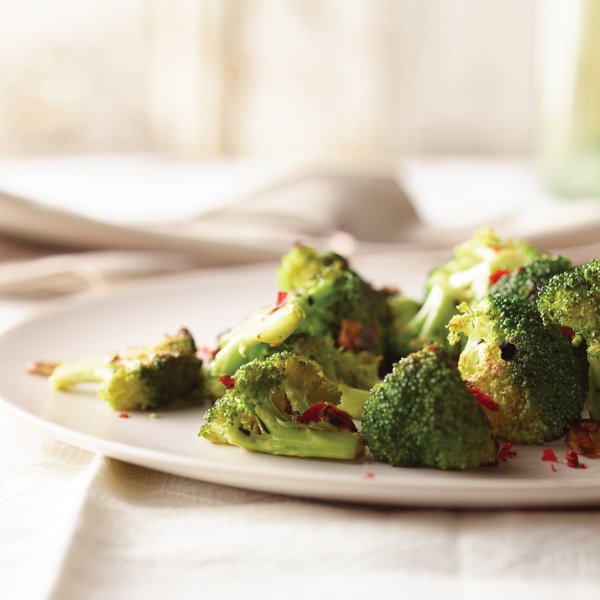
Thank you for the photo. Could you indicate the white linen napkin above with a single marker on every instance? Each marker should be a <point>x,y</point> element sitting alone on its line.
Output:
<point>119,218</point>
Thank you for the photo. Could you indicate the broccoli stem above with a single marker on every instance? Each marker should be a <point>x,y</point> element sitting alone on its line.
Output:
<point>272,330</point>
<point>593,354</point>
<point>352,400</point>
<point>293,439</point>
<point>429,323</point>
<point>88,370</point>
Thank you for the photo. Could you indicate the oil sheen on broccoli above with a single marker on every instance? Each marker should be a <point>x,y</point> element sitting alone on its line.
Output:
<point>422,414</point>
<point>320,296</point>
<point>572,300</point>
<point>527,368</point>
<point>283,404</point>
<point>138,378</point>
<point>466,277</point>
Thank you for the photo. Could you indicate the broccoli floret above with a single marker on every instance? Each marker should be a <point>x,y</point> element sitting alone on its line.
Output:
<point>302,264</point>
<point>527,368</point>
<point>355,373</point>
<point>330,300</point>
<point>525,283</point>
<point>466,277</point>
<point>138,378</point>
<point>283,404</point>
<point>572,299</point>
<point>422,414</point>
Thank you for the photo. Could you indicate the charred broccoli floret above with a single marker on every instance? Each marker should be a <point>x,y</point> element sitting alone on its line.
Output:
<point>572,299</point>
<point>422,414</point>
<point>138,378</point>
<point>525,283</point>
<point>329,300</point>
<point>476,265</point>
<point>283,404</point>
<point>528,369</point>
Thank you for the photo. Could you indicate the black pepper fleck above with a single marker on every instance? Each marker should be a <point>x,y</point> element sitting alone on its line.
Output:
<point>507,351</point>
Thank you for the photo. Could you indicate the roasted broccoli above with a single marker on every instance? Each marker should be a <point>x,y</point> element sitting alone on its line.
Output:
<point>137,378</point>
<point>529,370</point>
<point>329,300</point>
<point>283,404</point>
<point>476,265</point>
<point>354,372</point>
<point>572,300</point>
<point>422,414</point>
<point>525,283</point>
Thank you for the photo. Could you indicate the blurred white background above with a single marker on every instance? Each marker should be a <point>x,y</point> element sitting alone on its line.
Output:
<point>216,78</point>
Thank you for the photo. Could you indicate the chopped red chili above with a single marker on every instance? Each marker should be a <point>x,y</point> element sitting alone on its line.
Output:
<point>573,460</point>
<point>123,415</point>
<point>281,299</point>
<point>496,275</point>
<point>369,475</point>
<point>505,452</point>
<point>548,455</point>
<point>483,399</point>
<point>349,336</point>
<point>227,381</point>
<point>325,411</point>
<point>568,333</point>
<point>312,413</point>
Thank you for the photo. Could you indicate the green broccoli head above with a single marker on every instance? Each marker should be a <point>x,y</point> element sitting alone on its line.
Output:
<point>529,369</point>
<point>422,414</point>
<point>572,300</point>
<point>525,283</point>
<point>330,300</point>
<point>283,404</point>
<point>302,264</point>
<point>138,378</point>
<point>467,276</point>
<point>354,372</point>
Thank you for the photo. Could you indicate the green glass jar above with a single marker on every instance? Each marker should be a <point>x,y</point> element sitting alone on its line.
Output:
<point>568,87</point>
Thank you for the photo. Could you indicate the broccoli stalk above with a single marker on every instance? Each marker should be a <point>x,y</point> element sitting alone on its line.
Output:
<point>572,300</point>
<point>283,404</point>
<point>136,378</point>
<point>252,338</point>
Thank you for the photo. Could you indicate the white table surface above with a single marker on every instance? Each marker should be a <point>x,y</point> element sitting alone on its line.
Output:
<point>76,525</point>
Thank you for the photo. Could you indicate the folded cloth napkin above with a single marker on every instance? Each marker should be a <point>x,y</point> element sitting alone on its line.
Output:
<point>53,243</point>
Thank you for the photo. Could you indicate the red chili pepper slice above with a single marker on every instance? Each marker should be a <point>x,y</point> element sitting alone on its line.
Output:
<point>505,452</point>
<point>281,299</point>
<point>568,333</point>
<point>573,460</point>
<point>227,381</point>
<point>483,399</point>
<point>548,455</point>
<point>325,411</point>
<point>312,413</point>
<point>497,275</point>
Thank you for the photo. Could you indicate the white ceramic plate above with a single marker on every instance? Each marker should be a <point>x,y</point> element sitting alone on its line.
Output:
<point>206,303</point>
